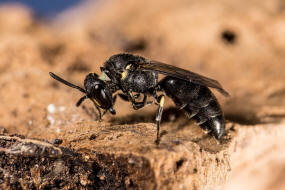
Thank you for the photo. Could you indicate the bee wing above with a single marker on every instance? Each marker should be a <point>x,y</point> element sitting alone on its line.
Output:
<point>177,72</point>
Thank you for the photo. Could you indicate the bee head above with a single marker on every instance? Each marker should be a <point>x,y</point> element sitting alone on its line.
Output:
<point>95,89</point>
<point>98,91</point>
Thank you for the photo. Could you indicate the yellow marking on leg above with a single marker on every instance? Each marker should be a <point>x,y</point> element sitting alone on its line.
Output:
<point>96,102</point>
<point>161,102</point>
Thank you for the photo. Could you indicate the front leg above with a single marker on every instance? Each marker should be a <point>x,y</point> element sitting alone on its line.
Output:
<point>98,108</point>
<point>126,97</point>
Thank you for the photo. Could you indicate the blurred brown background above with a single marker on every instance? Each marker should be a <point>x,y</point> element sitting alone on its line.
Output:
<point>239,43</point>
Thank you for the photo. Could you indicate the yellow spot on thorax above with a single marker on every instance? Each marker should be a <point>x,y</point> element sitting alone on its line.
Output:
<point>128,67</point>
<point>125,72</point>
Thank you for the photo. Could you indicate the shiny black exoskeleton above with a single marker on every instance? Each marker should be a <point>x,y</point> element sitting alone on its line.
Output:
<point>122,71</point>
<point>135,76</point>
<point>188,90</point>
<point>198,102</point>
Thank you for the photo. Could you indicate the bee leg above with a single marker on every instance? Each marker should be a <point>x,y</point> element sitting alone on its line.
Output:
<point>160,99</point>
<point>81,100</point>
<point>132,98</point>
<point>154,94</point>
<point>136,96</point>
<point>139,105</point>
<point>99,111</point>
<point>126,98</point>
<point>114,99</point>
<point>97,107</point>
<point>104,112</point>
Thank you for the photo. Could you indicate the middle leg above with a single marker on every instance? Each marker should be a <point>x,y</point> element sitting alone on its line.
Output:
<point>138,105</point>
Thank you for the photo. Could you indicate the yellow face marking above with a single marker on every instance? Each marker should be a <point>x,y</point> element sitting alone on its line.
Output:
<point>161,103</point>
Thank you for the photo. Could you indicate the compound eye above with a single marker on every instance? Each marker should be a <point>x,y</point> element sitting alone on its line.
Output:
<point>102,96</point>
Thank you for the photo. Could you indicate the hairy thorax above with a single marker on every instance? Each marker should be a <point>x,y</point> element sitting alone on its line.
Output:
<point>140,81</point>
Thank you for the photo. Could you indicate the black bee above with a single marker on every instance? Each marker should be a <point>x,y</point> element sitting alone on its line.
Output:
<point>135,76</point>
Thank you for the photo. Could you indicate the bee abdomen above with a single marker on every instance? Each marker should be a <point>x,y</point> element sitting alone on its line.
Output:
<point>198,102</point>
<point>216,126</point>
<point>210,117</point>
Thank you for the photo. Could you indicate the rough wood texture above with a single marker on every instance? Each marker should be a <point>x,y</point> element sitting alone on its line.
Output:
<point>239,43</point>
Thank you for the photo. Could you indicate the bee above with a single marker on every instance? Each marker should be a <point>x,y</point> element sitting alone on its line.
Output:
<point>137,76</point>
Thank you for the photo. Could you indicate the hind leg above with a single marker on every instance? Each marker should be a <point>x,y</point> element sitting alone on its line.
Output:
<point>160,99</point>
